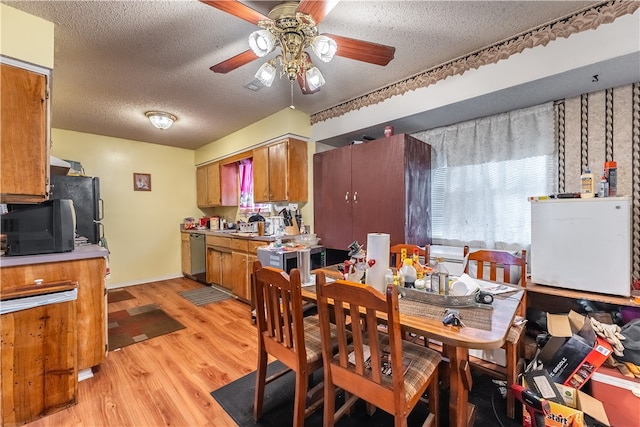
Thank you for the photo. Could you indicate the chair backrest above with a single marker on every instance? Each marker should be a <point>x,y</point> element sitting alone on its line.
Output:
<point>494,260</point>
<point>279,316</point>
<point>361,305</point>
<point>395,252</point>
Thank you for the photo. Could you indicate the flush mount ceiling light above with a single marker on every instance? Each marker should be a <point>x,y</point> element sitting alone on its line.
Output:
<point>161,120</point>
<point>290,28</point>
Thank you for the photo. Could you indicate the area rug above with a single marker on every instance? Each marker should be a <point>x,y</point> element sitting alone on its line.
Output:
<point>237,400</point>
<point>118,294</point>
<point>139,324</point>
<point>205,295</point>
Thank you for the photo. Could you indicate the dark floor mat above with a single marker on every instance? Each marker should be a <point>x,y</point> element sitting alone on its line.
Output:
<point>237,399</point>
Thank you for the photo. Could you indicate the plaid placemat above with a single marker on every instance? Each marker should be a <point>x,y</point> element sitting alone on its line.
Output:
<point>474,317</point>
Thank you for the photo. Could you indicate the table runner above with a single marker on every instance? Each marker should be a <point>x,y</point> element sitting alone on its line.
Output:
<point>473,317</point>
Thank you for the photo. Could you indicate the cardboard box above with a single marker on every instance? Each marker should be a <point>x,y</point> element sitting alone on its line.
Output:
<point>574,351</point>
<point>616,392</point>
<point>571,413</point>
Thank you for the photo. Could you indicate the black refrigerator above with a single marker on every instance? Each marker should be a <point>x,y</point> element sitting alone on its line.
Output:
<point>85,193</point>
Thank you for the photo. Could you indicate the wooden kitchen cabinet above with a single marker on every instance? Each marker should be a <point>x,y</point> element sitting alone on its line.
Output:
<point>217,185</point>
<point>382,186</point>
<point>185,250</point>
<point>39,364</point>
<point>219,261</point>
<point>243,256</point>
<point>280,172</point>
<point>24,135</point>
<point>91,324</point>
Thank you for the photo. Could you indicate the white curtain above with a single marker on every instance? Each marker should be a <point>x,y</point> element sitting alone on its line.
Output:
<point>483,172</point>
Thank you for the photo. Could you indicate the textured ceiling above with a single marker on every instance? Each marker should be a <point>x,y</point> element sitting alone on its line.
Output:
<point>114,60</point>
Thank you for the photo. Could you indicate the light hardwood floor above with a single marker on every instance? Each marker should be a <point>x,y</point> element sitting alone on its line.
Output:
<point>166,381</point>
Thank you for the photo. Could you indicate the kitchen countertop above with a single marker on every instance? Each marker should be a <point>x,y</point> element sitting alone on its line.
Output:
<point>80,252</point>
<point>238,235</point>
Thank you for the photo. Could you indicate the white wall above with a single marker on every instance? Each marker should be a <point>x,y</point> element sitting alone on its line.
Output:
<point>608,41</point>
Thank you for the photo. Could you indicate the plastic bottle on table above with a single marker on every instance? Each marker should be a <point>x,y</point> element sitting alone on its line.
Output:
<point>409,273</point>
<point>440,278</point>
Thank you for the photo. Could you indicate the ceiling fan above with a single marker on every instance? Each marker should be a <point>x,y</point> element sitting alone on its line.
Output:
<point>292,27</point>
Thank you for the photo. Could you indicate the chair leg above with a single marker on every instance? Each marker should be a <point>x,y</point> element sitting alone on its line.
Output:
<point>512,375</point>
<point>261,374</point>
<point>329,401</point>
<point>434,397</point>
<point>300,402</point>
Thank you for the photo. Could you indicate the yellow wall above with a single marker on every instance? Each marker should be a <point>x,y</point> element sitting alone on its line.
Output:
<point>142,228</point>
<point>26,37</point>
<point>278,124</point>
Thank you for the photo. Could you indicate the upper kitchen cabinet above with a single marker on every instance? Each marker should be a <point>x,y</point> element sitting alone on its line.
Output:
<point>382,186</point>
<point>24,135</point>
<point>217,185</point>
<point>280,172</point>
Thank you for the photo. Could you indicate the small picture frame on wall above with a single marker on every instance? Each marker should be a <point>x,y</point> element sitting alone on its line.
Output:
<point>141,181</point>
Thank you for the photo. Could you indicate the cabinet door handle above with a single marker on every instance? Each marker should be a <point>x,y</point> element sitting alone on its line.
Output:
<point>355,197</point>
<point>346,197</point>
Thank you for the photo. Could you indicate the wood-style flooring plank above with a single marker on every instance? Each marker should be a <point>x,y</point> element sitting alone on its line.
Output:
<point>166,381</point>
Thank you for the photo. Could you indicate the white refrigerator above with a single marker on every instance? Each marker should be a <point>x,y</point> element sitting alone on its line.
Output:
<point>582,244</point>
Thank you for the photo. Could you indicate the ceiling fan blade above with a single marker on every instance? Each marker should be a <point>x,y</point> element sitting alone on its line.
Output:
<point>318,9</point>
<point>235,62</point>
<point>361,50</point>
<point>238,9</point>
<point>304,87</point>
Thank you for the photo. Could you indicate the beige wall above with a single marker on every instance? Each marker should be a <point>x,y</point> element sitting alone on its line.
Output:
<point>283,122</point>
<point>26,37</point>
<point>142,228</point>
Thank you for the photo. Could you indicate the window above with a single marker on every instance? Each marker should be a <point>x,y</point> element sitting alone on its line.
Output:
<point>483,172</point>
<point>245,171</point>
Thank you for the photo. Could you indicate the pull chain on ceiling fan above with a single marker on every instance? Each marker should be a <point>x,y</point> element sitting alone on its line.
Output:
<point>292,26</point>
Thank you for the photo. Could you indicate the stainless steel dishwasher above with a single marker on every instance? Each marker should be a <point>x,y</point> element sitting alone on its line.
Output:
<point>198,249</point>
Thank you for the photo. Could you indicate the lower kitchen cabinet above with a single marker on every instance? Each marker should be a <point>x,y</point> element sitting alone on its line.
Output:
<point>230,262</point>
<point>185,250</point>
<point>91,325</point>
<point>39,364</point>
<point>243,256</point>
<point>219,264</point>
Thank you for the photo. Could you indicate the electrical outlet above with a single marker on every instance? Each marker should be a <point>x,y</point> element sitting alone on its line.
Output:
<point>293,206</point>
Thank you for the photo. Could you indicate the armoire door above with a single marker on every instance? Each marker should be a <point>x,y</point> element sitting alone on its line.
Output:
<point>377,183</point>
<point>332,198</point>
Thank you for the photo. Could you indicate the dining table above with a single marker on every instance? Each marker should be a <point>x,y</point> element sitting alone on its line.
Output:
<point>482,328</point>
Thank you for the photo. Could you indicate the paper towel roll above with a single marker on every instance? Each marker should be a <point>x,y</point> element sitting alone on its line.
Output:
<point>378,250</point>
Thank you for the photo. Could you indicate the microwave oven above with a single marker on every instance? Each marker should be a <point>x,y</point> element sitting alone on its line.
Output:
<point>286,260</point>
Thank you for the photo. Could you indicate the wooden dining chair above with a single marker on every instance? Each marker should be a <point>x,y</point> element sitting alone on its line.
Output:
<point>495,260</point>
<point>286,334</point>
<point>398,372</point>
<point>395,252</point>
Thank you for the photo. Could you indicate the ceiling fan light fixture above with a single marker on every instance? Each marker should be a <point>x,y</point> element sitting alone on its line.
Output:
<point>324,47</point>
<point>266,74</point>
<point>314,78</point>
<point>261,42</point>
<point>160,119</point>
